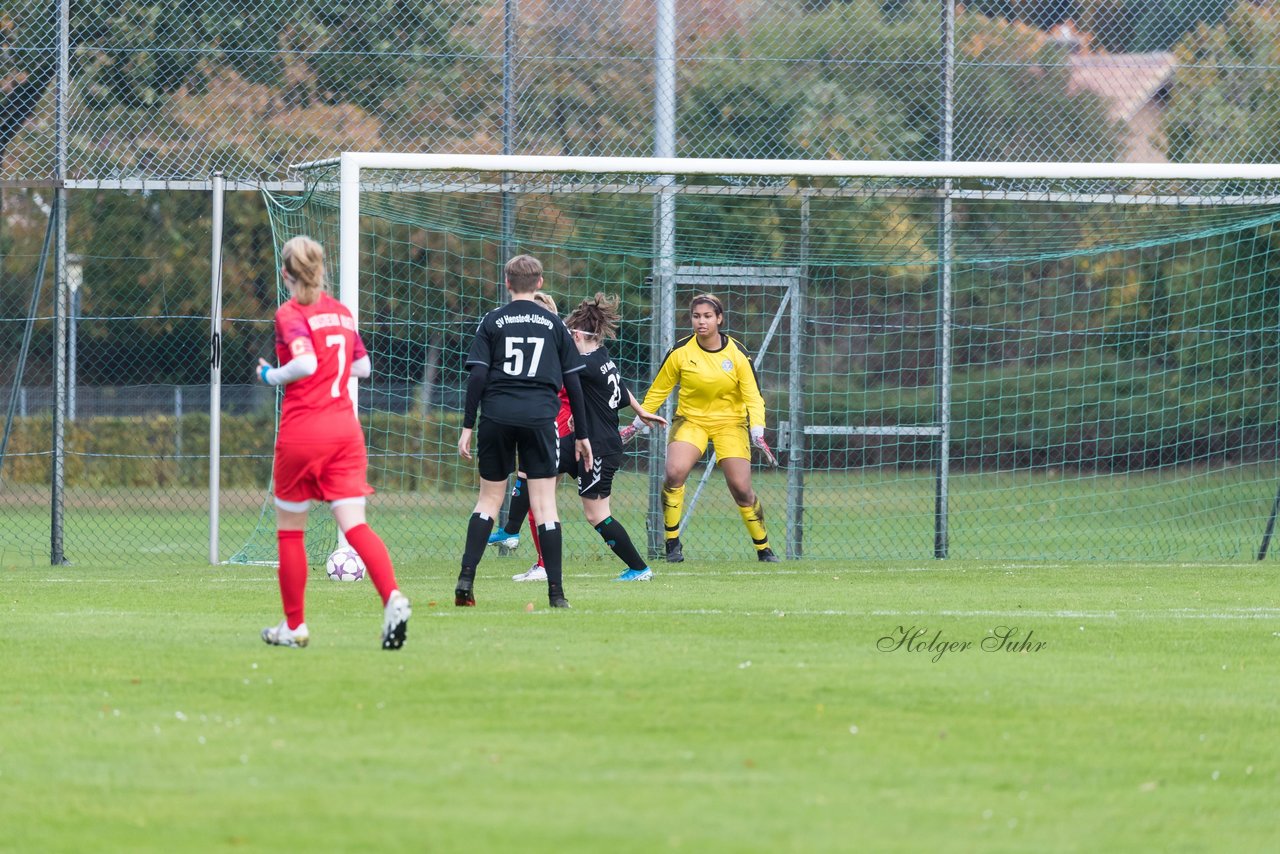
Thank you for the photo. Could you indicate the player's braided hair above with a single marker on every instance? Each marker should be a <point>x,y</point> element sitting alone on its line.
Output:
<point>303,261</point>
<point>596,316</point>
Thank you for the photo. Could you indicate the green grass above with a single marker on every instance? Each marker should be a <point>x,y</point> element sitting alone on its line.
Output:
<point>1178,514</point>
<point>721,707</point>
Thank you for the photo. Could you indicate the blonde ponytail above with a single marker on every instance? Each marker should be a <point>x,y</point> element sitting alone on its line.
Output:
<point>303,260</point>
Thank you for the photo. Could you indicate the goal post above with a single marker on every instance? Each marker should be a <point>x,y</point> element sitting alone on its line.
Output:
<point>1036,360</point>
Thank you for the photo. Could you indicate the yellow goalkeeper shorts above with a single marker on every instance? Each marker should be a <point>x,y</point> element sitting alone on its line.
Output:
<point>729,438</point>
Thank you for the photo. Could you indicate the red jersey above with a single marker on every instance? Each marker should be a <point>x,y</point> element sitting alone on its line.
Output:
<point>318,408</point>
<point>564,418</point>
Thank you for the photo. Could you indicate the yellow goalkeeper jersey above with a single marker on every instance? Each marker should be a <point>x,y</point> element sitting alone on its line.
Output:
<point>715,385</point>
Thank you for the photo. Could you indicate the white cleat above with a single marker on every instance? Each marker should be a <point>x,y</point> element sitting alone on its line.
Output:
<point>537,572</point>
<point>282,635</point>
<point>395,621</point>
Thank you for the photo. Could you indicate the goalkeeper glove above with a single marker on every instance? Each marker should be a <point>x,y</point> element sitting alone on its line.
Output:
<point>262,374</point>
<point>631,430</point>
<point>757,439</point>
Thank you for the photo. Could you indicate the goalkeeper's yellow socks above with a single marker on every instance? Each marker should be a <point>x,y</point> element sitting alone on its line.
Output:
<point>753,518</point>
<point>672,505</point>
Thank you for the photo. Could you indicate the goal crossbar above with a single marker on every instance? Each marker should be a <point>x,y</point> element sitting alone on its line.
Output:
<point>354,161</point>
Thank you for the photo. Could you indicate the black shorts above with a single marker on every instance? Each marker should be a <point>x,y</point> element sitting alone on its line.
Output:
<point>568,456</point>
<point>597,481</point>
<point>498,446</point>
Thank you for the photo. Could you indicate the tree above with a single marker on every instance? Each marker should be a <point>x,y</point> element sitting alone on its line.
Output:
<point>1138,26</point>
<point>802,87</point>
<point>28,53</point>
<point>1223,107</point>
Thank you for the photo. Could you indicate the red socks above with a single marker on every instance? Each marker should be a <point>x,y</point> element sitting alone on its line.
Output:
<point>537,540</point>
<point>292,575</point>
<point>293,568</point>
<point>376,560</point>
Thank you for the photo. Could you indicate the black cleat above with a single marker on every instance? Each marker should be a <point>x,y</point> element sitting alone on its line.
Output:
<point>464,596</point>
<point>766,555</point>
<point>555,597</point>
<point>675,551</point>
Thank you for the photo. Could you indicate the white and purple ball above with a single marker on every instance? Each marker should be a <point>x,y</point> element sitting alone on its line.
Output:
<point>344,565</point>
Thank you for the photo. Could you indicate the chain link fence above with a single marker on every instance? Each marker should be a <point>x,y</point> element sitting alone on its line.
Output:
<point>166,90</point>
<point>125,110</point>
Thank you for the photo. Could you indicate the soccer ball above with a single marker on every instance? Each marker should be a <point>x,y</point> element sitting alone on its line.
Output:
<point>344,565</point>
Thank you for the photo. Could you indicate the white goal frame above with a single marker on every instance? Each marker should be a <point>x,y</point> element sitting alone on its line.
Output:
<point>352,165</point>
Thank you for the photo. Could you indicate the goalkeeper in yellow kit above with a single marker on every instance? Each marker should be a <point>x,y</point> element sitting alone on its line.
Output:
<point>720,403</point>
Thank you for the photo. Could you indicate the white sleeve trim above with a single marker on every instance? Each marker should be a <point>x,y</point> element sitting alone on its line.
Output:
<point>362,367</point>
<point>301,366</point>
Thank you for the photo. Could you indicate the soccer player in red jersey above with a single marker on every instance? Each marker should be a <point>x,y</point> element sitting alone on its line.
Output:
<point>320,451</point>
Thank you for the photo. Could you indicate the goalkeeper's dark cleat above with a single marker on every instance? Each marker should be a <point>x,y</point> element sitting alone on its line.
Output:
<point>463,595</point>
<point>766,555</point>
<point>675,551</point>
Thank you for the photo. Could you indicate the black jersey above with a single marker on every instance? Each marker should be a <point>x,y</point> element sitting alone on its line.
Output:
<point>604,393</point>
<point>528,350</point>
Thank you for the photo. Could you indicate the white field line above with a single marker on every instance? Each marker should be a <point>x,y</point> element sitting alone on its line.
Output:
<point>832,569</point>
<point>509,612</point>
<point>1169,614</point>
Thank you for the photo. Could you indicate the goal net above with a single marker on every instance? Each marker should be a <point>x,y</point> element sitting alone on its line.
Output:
<point>995,361</point>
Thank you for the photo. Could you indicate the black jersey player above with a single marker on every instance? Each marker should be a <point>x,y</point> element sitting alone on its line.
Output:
<point>520,357</point>
<point>605,393</point>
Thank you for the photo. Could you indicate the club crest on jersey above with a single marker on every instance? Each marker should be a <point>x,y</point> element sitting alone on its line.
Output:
<point>727,364</point>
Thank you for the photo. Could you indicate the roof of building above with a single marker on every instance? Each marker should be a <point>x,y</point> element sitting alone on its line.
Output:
<point>1126,81</point>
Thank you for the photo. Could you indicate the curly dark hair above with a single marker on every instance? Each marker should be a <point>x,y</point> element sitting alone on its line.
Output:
<point>596,316</point>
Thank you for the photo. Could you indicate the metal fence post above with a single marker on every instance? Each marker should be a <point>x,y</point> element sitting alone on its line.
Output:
<point>62,95</point>
<point>215,366</point>
<point>795,395</point>
<point>662,334</point>
<point>946,251</point>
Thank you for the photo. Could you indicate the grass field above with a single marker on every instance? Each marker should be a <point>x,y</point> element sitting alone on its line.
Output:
<point>722,707</point>
<point>1180,514</point>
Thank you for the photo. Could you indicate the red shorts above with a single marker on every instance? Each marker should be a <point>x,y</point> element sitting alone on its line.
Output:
<point>323,471</point>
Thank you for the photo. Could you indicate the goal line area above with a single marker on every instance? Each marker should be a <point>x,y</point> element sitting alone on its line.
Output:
<point>1004,361</point>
